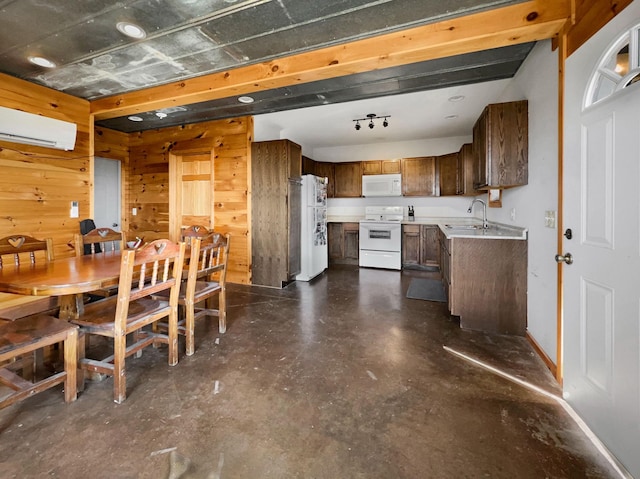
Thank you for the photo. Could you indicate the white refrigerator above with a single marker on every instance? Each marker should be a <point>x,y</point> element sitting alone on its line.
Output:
<point>313,245</point>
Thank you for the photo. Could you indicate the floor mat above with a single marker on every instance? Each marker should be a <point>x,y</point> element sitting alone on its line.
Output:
<point>427,290</point>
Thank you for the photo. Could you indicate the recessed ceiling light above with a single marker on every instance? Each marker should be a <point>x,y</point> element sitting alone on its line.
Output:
<point>451,117</point>
<point>456,98</point>
<point>42,62</point>
<point>131,30</point>
<point>245,99</point>
<point>161,114</point>
<point>135,118</point>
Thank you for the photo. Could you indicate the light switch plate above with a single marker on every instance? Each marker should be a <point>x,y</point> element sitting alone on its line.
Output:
<point>73,212</point>
<point>550,219</point>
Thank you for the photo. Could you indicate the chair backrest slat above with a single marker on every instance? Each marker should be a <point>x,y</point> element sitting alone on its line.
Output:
<point>194,231</point>
<point>108,239</point>
<point>157,266</point>
<point>209,256</point>
<point>17,246</point>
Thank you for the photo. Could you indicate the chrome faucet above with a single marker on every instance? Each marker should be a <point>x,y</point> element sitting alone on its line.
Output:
<point>485,223</point>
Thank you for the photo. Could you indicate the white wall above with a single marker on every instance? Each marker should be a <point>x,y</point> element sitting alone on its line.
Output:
<point>384,151</point>
<point>537,81</point>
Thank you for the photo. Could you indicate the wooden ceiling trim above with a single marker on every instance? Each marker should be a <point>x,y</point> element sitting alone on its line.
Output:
<point>528,21</point>
<point>591,16</point>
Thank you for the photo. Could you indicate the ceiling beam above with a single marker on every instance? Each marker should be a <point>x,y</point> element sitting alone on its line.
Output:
<point>524,22</point>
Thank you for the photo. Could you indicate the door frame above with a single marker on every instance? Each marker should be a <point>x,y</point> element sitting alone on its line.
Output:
<point>202,146</point>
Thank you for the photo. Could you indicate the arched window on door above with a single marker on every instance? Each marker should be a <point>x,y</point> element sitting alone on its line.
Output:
<point>618,68</point>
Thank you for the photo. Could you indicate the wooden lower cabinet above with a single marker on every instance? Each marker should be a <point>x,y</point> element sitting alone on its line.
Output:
<point>486,283</point>
<point>420,246</point>
<point>344,243</point>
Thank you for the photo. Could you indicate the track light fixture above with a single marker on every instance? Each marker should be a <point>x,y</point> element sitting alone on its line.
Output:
<point>371,117</point>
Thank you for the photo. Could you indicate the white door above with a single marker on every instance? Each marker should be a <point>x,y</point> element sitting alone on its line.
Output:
<point>106,196</point>
<point>601,339</point>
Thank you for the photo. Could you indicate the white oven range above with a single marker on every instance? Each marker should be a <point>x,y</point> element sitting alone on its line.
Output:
<point>381,237</point>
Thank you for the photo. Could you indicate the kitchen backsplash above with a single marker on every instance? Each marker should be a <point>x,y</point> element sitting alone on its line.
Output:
<point>438,207</point>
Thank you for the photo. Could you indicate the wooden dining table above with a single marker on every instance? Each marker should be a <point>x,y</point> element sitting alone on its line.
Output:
<point>67,278</point>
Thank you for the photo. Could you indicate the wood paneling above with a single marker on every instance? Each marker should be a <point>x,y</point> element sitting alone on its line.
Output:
<point>37,184</point>
<point>148,188</point>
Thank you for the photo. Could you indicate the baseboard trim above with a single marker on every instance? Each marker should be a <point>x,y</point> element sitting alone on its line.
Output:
<point>545,358</point>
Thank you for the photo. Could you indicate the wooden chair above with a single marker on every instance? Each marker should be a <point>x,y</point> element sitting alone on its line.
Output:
<point>193,231</point>
<point>135,239</point>
<point>26,336</point>
<point>23,249</point>
<point>108,239</point>
<point>206,278</point>
<point>149,270</point>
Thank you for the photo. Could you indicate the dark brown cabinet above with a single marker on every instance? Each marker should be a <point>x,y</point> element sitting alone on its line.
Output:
<point>501,146</point>
<point>419,176</point>
<point>326,170</point>
<point>486,283</point>
<point>343,239</point>
<point>308,166</point>
<point>348,180</point>
<point>420,246</point>
<point>466,166</point>
<point>448,171</point>
<point>380,167</point>
<point>276,167</point>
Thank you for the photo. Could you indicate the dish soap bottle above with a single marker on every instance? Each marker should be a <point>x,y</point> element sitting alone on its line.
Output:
<point>411,215</point>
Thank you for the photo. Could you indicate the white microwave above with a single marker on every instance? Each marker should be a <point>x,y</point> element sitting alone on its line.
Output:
<point>382,185</point>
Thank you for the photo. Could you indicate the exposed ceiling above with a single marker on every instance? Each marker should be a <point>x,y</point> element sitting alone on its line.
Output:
<point>190,38</point>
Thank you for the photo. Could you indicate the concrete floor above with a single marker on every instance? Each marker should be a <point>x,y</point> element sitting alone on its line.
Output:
<point>340,378</point>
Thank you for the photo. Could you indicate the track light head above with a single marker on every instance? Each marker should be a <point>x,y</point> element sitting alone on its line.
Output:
<point>371,124</point>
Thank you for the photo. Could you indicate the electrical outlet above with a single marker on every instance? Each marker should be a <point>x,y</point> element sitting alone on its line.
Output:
<point>513,214</point>
<point>550,219</point>
<point>134,211</point>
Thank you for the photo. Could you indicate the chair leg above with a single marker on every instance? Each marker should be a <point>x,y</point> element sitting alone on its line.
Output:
<point>71,366</point>
<point>222,311</point>
<point>172,332</point>
<point>81,354</point>
<point>189,326</point>
<point>119,372</point>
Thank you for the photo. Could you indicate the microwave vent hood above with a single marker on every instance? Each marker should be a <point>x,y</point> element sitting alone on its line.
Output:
<point>382,185</point>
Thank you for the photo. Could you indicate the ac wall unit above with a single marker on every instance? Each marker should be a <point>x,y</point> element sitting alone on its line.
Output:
<point>20,127</point>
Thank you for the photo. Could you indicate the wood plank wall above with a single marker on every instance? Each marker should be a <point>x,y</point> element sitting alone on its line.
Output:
<point>148,182</point>
<point>38,184</point>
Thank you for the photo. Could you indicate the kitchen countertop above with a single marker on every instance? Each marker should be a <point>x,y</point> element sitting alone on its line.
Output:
<point>458,227</point>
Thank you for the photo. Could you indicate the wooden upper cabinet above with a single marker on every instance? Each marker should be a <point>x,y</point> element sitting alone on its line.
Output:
<point>501,146</point>
<point>373,167</point>
<point>390,166</point>
<point>448,173</point>
<point>380,167</point>
<point>466,164</point>
<point>419,176</point>
<point>326,170</point>
<point>348,180</point>
<point>308,166</point>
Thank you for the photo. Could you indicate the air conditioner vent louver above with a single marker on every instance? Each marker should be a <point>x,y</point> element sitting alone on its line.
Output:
<point>19,127</point>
